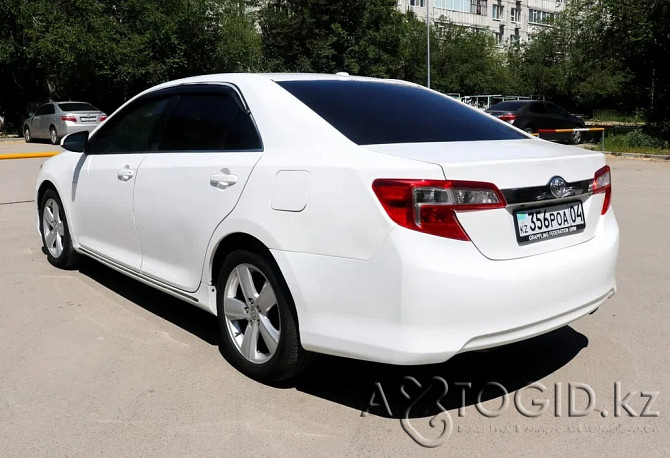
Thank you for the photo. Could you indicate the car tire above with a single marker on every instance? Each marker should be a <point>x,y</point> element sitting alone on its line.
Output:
<point>576,137</point>
<point>26,135</point>
<point>529,130</point>
<point>56,232</point>
<point>257,317</point>
<point>53,135</point>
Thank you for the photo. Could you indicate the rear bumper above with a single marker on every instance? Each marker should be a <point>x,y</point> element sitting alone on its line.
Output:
<point>73,127</point>
<point>422,299</point>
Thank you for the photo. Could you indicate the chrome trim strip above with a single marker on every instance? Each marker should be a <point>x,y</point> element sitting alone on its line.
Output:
<point>535,194</point>
<point>137,275</point>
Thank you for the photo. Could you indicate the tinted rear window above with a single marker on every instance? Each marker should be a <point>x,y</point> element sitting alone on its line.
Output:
<point>76,106</point>
<point>371,113</point>
<point>507,106</point>
<point>209,122</point>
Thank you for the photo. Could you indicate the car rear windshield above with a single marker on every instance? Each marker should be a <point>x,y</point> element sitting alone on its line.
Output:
<point>506,106</point>
<point>370,113</point>
<point>76,106</point>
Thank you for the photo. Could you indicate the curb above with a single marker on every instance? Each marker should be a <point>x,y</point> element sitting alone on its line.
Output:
<point>28,155</point>
<point>660,157</point>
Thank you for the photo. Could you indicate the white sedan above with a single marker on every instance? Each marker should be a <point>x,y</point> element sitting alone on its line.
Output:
<point>365,218</point>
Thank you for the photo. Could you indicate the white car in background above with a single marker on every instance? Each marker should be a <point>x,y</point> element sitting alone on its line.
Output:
<point>365,218</point>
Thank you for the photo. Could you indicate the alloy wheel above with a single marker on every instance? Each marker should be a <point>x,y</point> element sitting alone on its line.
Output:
<point>26,135</point>
<point>54,136</point>
<point>251,313</point>
<point>53,228</point>
<point>576,137</point>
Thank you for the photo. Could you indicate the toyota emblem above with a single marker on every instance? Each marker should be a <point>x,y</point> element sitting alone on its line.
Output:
<point>557,187</point>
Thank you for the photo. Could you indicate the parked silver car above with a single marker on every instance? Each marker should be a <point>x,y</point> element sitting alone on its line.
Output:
<point>55,120</point>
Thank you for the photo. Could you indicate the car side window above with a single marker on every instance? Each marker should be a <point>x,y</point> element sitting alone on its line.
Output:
<point>537,108</point>
<point>555,109</point>
<point>131,130</point>
<point>210,121</point>
<point>49,109</point>
<point>42,110</point>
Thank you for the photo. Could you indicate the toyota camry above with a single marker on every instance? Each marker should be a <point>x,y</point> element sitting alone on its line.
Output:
<point>365,218</point>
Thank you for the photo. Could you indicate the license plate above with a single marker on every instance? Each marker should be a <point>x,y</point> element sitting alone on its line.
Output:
<point>87,118</point>
<point>536,224</point>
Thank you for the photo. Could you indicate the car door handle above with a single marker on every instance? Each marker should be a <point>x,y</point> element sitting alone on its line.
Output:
<point>222,179</point>
<point>125,173</point>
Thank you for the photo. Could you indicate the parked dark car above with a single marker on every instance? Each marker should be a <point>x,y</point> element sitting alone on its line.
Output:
<point>531,115</point>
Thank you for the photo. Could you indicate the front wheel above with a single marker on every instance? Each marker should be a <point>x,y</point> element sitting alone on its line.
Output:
<point>257,318</point>
<point>26,134</point>
<point>55,232</point>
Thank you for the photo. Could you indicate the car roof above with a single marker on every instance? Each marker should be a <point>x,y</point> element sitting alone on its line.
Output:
<point>277,77</point>
<point>72,101</point>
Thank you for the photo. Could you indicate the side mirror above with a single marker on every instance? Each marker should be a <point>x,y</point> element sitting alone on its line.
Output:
<point>75,142</point>
<point>31,114</point>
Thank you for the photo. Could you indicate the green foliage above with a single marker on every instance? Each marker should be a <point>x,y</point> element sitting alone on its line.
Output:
<point>467,61</point>
<point>598,53</point>
<point>105,51</point>
<point>635,141</point>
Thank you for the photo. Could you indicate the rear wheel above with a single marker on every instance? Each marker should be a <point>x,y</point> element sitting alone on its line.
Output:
<point>26,134</point>
<point>55,232</point>
<point>576,137</point>
<point>257,318</point>
<point>53,135</point>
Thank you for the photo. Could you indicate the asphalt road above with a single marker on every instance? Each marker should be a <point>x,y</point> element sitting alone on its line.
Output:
<point>92,363</point>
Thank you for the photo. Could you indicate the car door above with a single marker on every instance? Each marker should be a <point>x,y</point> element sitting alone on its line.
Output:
<point>559,117</point>
<point>103,184</point>
<point>193,180</point>
<point>539,118</point>
<point>39,127</point>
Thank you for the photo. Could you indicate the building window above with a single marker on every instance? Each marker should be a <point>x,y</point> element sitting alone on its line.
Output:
<point>454,5</point>
<point>419,3</point>
<point>514,39</point>
<point>478,7</point>
<point>499,38</point>
<point>539,17</point>
<point>498,11</point>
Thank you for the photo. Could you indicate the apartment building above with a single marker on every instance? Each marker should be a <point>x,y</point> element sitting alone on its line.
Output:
<point>509,20</point>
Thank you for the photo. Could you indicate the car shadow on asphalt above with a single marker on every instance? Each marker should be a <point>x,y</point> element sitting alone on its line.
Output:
<point>465,380</point>
<point>188,317</point>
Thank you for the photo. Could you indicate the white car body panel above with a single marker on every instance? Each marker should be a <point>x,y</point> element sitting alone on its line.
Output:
<point>101,200</point>
<point>177,209</point>
<point>363,287</point>
<point>290,190</point>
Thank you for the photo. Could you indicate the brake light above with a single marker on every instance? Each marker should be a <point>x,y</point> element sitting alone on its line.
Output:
<point>508,117</point>
<point>602,182</point>
<point>430,206</point>
<point>72,118</point>
<point>103,117</point>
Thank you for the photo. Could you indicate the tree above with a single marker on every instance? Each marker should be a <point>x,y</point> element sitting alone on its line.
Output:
<point>467,61</point>
<point>105,51</point>
<point>369,38</point>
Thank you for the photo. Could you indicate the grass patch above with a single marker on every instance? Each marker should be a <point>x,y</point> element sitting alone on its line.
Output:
<point>636,142</point>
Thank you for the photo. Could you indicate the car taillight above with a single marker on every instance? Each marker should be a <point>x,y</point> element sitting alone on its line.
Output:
<point>103,117</point>
<point>602,182</point>
<point>72,118</point>
<point>430,206</point>
<point>509,117</point>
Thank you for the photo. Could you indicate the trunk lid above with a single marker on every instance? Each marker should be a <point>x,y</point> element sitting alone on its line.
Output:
<point>522,169</point>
